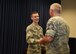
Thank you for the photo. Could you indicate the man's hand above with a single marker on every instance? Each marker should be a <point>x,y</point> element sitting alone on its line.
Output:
<point>45,39</point>
<point>42,40</point>
<point>39,40</point>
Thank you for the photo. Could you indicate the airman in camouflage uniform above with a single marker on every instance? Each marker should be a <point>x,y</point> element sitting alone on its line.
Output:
<point>58,29</point>
<point>33,33</point>
<point>57,32</point>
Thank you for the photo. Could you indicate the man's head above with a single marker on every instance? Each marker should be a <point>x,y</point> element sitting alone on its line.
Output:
<point>55,9</point>
<point>35,17</point>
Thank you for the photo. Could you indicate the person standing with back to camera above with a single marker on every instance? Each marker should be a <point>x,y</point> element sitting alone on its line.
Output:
<point>57,32</point>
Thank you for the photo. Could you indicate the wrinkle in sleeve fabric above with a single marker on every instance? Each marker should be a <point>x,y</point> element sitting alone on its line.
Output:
<point>29,36</point>
<point>50,30</point>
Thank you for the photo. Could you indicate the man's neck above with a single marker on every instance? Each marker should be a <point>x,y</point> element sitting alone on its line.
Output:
<point>56,14</point>
<point>35,23</point>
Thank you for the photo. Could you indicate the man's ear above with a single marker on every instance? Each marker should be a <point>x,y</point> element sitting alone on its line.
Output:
<point>52,12</point>
<point>31,18</point>
<point>58,11</point>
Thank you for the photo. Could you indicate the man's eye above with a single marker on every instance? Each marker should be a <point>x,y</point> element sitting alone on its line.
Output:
<point>36,16</point>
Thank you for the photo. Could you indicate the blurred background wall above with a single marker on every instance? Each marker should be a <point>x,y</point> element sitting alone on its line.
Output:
<point>69,14</point>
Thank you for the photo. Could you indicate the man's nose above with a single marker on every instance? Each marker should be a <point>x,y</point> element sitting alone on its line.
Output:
<point>37,17</point>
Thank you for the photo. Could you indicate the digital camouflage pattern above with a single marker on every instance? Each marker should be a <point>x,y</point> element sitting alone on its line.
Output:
<point>59,30</point>
<point>33,33</point>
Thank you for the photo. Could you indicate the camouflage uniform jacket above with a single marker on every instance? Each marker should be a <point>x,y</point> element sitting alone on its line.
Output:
<point>59,30</point>
<point>33,33</point>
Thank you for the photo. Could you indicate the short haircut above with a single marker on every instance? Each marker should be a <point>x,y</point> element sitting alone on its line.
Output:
<point>33,12</point>
<point>56,7</point>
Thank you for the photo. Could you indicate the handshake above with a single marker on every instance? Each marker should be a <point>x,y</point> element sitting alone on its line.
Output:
<point>44,40</point>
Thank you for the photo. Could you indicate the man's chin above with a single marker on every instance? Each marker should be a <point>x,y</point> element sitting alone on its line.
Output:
<point>36,21</point>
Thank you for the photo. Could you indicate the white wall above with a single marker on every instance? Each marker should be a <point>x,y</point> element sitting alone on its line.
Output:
<point>69,14</point>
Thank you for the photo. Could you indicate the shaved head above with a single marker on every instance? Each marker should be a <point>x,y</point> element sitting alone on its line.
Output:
<point>56,7</point>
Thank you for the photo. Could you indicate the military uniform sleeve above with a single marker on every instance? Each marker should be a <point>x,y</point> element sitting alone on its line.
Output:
<point>29,36</point>
<point>41,32</point>
<point>50,30</point>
